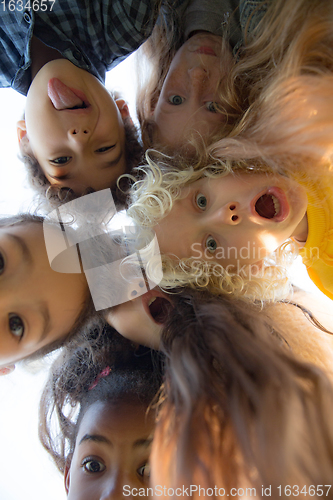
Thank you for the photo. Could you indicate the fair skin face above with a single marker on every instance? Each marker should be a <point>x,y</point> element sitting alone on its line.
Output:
<point>140,320</point>
<point>76,148</point>
<point>234,219</point>
<point>188,97</point>
<point>32,295</point>
<point>112,450</point>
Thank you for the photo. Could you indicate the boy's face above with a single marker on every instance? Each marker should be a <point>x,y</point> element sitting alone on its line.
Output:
<point>37,305</point>
<point>111,452</point>
<point>236,219</point>
<point>76,148</point>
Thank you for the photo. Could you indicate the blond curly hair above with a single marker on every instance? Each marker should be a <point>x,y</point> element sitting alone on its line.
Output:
<point>152,198</point>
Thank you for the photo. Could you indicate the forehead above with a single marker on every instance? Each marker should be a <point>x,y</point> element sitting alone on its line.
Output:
<point>121,420</point>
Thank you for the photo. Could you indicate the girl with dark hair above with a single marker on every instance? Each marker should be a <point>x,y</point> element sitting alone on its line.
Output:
<point>40,308</point>
<point>98,398</point>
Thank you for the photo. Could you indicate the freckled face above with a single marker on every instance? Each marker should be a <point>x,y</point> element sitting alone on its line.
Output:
<point>76,148</point>
<point>189,100</point>
<point>220,219</point>
<point>112,450</point>
<point>37,305</point>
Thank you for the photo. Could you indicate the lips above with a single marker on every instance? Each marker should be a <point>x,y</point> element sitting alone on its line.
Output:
<point>204,44</point>
<point>271,204</point>
<point>208,51</point>
<point>66,98</point>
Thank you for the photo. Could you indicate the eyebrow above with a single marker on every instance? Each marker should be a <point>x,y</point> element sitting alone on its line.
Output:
<point>114,162</point>
<point>44,310</point>
<point>23,247</point>
<point>98,438</point>
<point>146,442</point>
<point>42,306</point>
<point>60,177</point>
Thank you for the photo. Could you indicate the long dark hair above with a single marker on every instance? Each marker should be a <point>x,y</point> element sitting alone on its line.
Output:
<point>237,407</point>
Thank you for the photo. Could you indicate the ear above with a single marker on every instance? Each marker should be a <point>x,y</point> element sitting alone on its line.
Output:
<point>123,108</point>
<point>22,136</point>
<point>21,130</point>
<point>67,474</point>
<point>5,370</point>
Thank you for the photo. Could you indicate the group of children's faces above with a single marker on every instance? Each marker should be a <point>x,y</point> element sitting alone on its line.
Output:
<point>75,130</point>
<point>32,294</point>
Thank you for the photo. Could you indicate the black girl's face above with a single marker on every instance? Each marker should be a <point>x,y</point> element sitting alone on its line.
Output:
<point>111,453</point>
<point>37,305</point>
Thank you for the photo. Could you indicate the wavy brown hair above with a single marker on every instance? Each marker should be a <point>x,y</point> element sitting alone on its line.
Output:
<point>238,409</point>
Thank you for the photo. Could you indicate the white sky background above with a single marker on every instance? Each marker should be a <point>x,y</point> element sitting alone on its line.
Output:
<point>26,471</point>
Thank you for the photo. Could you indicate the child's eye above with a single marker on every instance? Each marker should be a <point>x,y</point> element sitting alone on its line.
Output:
<point>144,471</point>
<point>61,160</point>
<point>106,148</point>
<point>2,263</point>
<point>201,201</point>
<point>93,466</point>
<point>16,325</point>
<point>212,106</point>
<point>176,100</point>
<point>211,244</point>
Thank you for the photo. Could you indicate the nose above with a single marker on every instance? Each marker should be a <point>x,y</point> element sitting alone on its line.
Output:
<point>113,487</point>
<point>198,75</point>
<point>79,134</point>
<point>229,214</point>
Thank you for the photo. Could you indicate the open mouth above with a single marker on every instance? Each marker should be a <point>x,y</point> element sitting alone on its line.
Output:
<point>268,206</point>
<point>81,106</point>
<point>208,51</point>
<point>159,309</point>
<point>272,205</point>
<point>157,305</point>
<point>66,98</point>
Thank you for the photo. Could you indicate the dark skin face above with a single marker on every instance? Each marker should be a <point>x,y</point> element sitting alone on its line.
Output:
<point>112,450</point>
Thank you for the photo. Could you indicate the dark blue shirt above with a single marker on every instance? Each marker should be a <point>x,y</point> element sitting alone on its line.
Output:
<point>95,35</point>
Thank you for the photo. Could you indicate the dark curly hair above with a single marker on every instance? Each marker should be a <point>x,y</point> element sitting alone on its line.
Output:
<point>135,377</point>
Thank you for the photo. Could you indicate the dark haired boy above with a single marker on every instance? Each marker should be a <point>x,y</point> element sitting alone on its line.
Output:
<point>74,134</point>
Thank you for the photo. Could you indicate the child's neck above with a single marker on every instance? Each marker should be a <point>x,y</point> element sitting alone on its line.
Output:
<point>41,54</point>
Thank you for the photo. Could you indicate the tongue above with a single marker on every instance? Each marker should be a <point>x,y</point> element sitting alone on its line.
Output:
<point>62,97</point>
<point>265,206</point>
